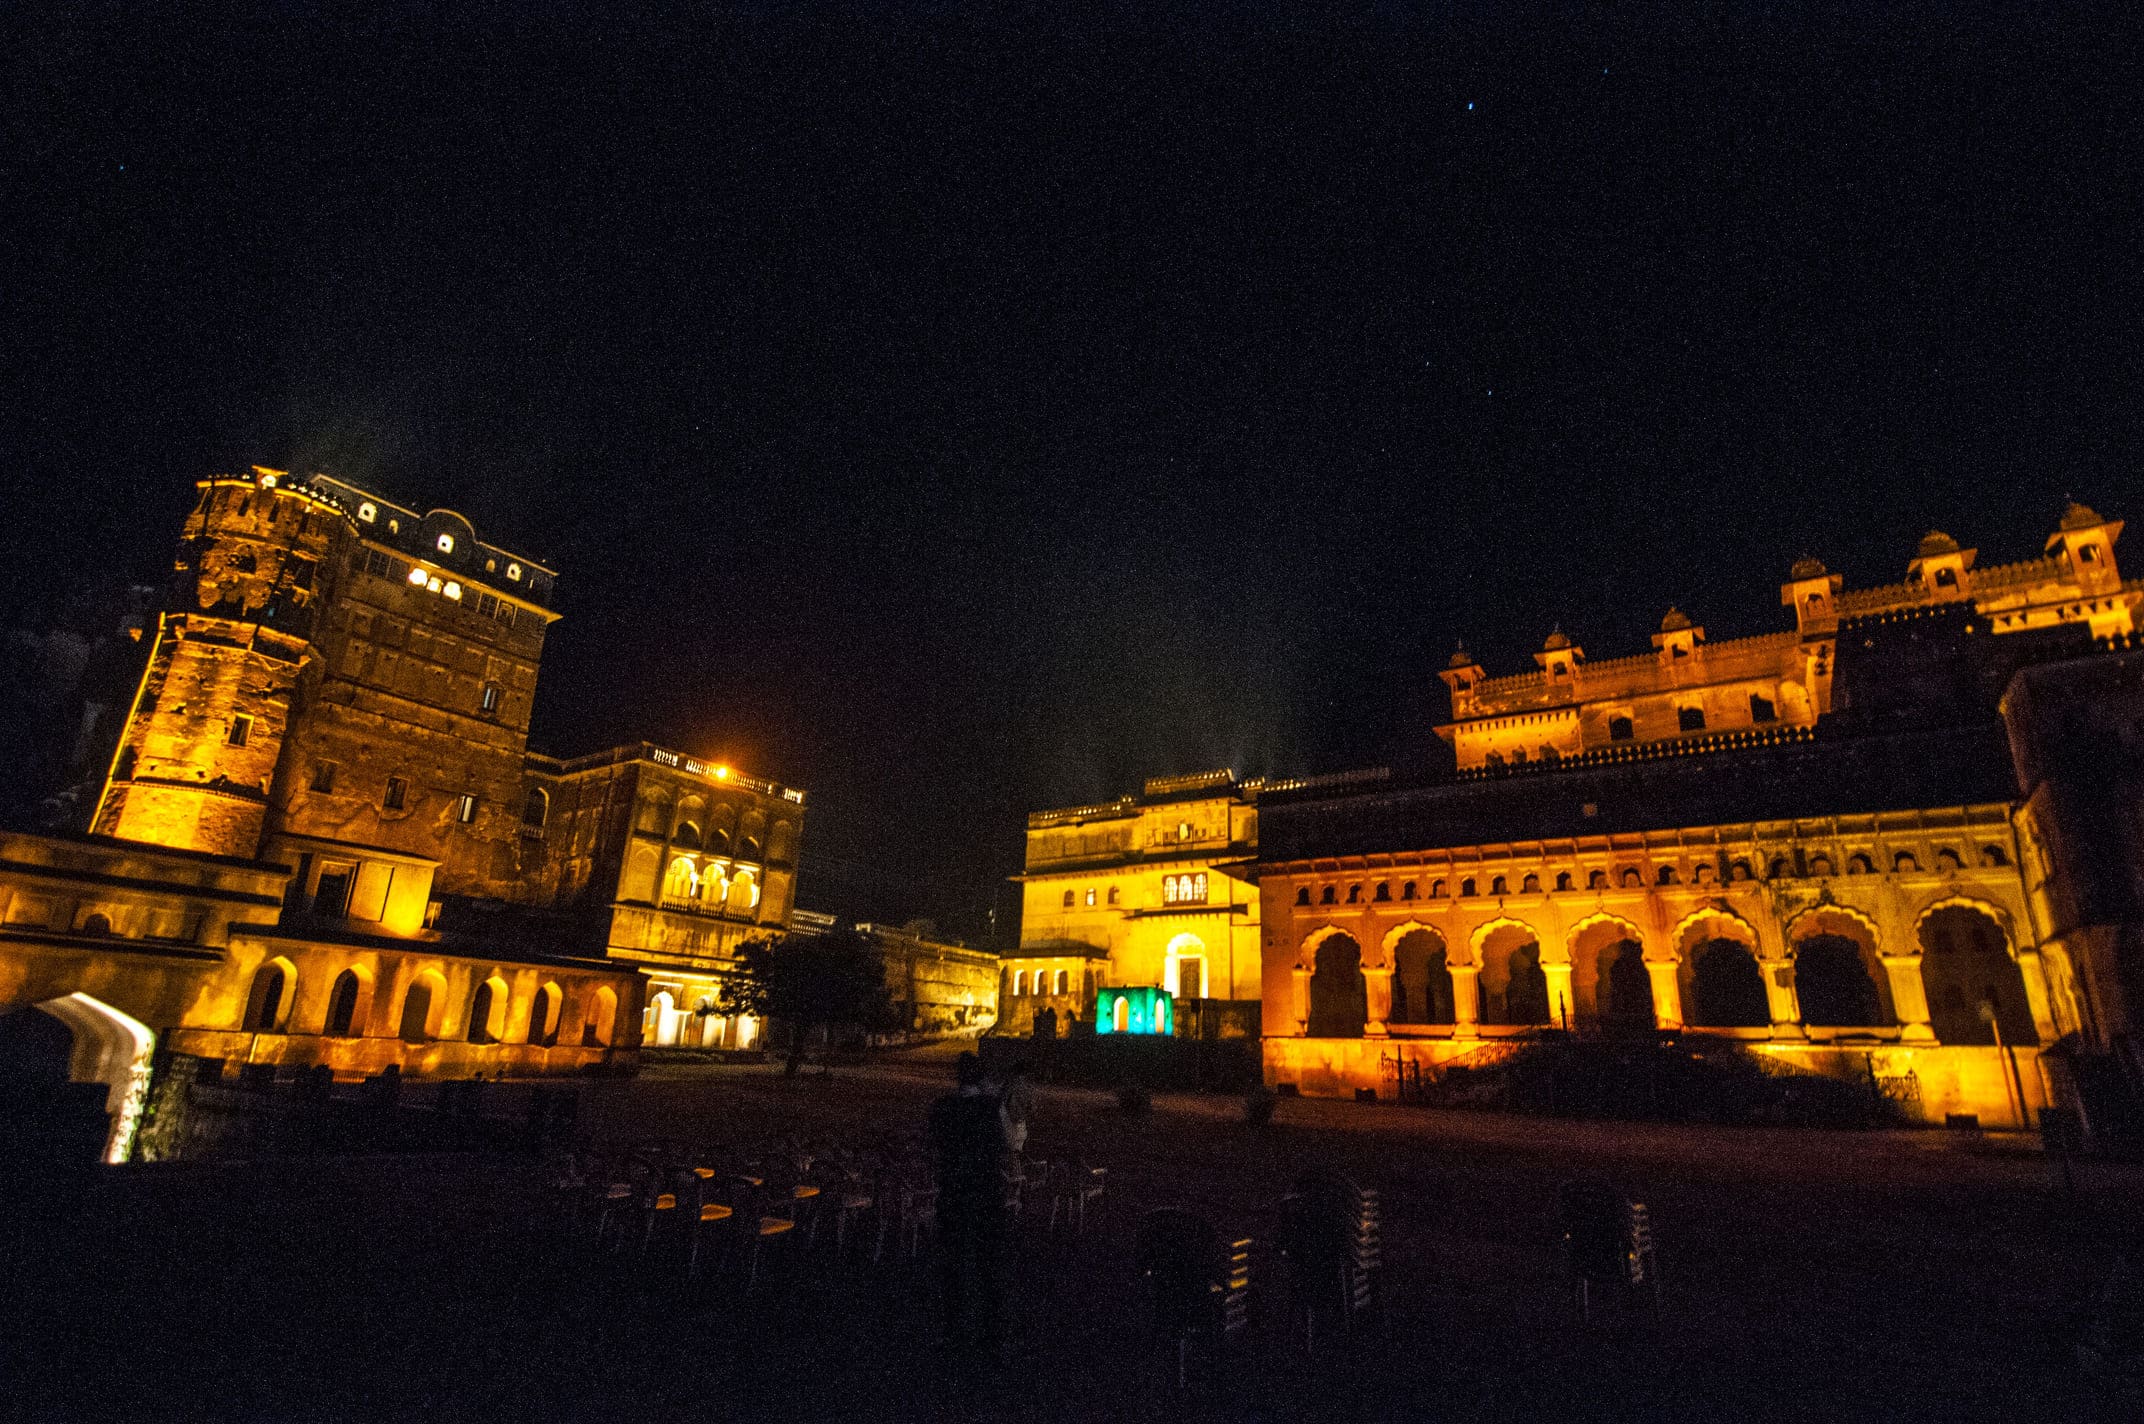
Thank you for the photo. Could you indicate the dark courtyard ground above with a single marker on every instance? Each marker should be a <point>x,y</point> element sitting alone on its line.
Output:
<point>1808,1275</point>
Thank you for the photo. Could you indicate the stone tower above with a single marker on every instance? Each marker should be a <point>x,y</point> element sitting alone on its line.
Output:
<point>196,765</point>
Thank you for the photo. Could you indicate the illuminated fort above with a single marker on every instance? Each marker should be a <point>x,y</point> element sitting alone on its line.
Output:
<point>324,840</point>
<point>1878,845</point>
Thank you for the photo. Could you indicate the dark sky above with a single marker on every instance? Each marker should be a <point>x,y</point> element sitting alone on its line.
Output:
<point>957,410</point>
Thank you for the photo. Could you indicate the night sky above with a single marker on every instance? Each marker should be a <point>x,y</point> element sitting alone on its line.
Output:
<point>957,411</point>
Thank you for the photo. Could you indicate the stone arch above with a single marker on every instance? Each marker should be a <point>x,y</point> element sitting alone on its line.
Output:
<point>691,811</point>
<point>1514,989</point>
<point>652,814</point>
<point>1838,969</point>
<point>1339,995</point>
<point>544,1015</point>
<point>349,1003</point>
<point>1609,982</point>
<point>600,1021</point>
<point>268,999</point>
<point>1723,984</point>
<point>744,893</point>
<point>487,1011</point>
<point>424,1007</point>
<point>714,886</point>
<point>721,827</point>
<point>99,1044</point>
<point>1968,965</point>
<point>1421,974</point>
<point>638,882</point>
<point>658,1021</point>
<point>681,879</point>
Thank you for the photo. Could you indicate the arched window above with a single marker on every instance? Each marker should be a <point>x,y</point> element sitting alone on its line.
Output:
<point>1112,894</point>
<point>1993,855</point>
<point>538,809</point>
<point>1530,885</point>
<point>1302,895</point>
<point>421,1007</point>
<point>1820,865</point>
<point>718,841</point>
<point>1019,982</point>
<point>1563,880</point>
<point>1631,877</point>
<point>680,879</point>
<point>1701,874</point>
<point>1497,885</point>
<point>487,1011</point>
<point>96,923</point>
<point>1859,864</point>
<point>1068,900</point>
<point>1384,890</point>
<point>344,1000</point>
<point>601,1019</point>
<point>1325,896</point>
<point>688,835</point>
<point>268,1001</point>
<point>1407,890</point>
<point>1740,871</point>
<point>544,1016</point>
<point>1777,870</point>
<point>1904,863</point>
<point>1596,880</point>
<point>1354,894</point>
<point>1466,887</point>
<point>1666,875</point>
<point>1948,859</point>
<point>1436,889</point>
<point>1063,979</point>
<point>750,850</point>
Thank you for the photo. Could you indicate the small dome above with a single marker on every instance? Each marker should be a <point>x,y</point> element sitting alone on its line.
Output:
<point>1934,542</point>
<point>2080,516</point>
<point>1807,568</point>
<point>1675,622</point>
<point>1557,642</point>
<point>1461,657</point>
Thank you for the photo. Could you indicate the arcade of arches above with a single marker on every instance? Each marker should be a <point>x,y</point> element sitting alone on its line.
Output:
<point>1919,972</point>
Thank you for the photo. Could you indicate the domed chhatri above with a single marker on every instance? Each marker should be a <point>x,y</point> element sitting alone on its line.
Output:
<point>2081,516</point>
<point>1557,641</point>
<point>1935,542</point>
<point>1675,622</point>
<point>1807,568</point>
<point>1461,657</point>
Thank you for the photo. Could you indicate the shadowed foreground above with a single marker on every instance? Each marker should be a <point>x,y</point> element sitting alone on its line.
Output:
<point>1825,1275</point>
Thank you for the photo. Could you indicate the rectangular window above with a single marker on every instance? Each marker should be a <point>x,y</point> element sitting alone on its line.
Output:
<point>1760,708</point>
<point>397,791</point>
<point>1620,729</point>
<point>380,566</point>
<point>465,809</point>
<point>1692,718</point>
<point>323,776</point>
<point>241,728</point>
<point>331,896</point>
<point>491,697</point>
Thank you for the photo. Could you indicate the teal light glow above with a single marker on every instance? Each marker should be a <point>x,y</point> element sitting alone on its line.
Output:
<point>1142,1009</point>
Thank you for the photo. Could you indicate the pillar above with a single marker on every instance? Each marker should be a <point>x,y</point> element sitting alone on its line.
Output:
<point>2043,1012</point>
<point>1667,993</point>
<point>1561,1011</point>
<point>1378,986</point>
<point>1783,997</point>
<point>1909,997</point>
<point>1466,1000</point>
<point>1302,1001</point>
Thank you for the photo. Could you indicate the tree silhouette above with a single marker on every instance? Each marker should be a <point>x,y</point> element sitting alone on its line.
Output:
<point>803,982</point>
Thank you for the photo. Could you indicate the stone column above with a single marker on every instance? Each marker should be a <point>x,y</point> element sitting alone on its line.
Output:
<point>1302,1001</point>
<point>1667,993</point>
<point>1378,986</point>
<point>2043,1009</point>
<point>1466,1000</point>
<point>1909,997</point>
<point>1785,1000</point>
<point>1561,1011</point>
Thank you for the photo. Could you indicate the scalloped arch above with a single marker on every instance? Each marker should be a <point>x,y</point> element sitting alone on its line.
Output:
<point>1857,916</point>
<point>1391,942</point>
<point>1306,955</point>
<point>1709,912</point>
<point>1968,902</point>
<point>1486,928</point>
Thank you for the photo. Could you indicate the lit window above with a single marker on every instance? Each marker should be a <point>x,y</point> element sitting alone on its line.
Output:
<point>416,576</point>
<point>453,591</point>
<point>241,728</point>
<point>465,809</point>
<point>1019,982</point>
<point>267,481</point>
<point>433,583</point>
<point>513,571</point>
<point>1183,830</point>
<point>368,511</point>
<point>446,543</point>
<point>491,697</point>
<point>1090,899</point>
<point>491,566</point>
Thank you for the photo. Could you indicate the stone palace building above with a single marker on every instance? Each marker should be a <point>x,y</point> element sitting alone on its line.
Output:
<point>323,839</point>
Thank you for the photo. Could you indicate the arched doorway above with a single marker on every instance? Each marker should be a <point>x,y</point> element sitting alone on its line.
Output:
<point>1513,988</point>
<point>423,1004</point>
<point>346,1002</point>
<point>1835,986</point>
<point>269,997</point>
<point>1610,985</point>
<point>544,1016</point>
<point>1185,970</point>
<point>658,1023</point>
<point>74,1076</point>
<point>1339,998</point>
<point>1970,976</point>
<point>601,1019</point>
<point>1727,987</point>
<point>487,1011</point>
<point>1421,982</point>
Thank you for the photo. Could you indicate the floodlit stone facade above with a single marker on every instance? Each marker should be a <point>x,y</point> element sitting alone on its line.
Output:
<point>323,839</point>
<point>1819,842</point>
